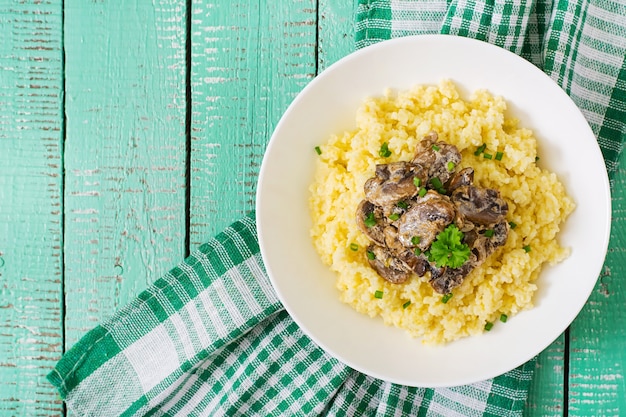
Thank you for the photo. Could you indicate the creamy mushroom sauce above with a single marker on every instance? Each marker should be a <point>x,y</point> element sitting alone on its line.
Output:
<point>408,203</point>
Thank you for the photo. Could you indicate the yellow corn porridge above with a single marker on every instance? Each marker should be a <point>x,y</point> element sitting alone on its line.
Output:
<point>505,283</point>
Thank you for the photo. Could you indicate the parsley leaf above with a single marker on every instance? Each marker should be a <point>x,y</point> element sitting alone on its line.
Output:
<point>448,249</point>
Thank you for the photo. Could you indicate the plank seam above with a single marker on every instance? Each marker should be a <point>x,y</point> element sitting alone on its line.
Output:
<point>317,36</point>
<point>64,410</point>
<point>566,373</point>
<point>188,121</point>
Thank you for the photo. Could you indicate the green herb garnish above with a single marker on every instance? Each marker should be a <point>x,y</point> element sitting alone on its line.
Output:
<point>384,150</point>
<point>394,216</point>
<point>499,156</point>
<point>415,240</point>
<point>417,182</point>
<point>436,183</point>
<point>446,297</point>
<point>480,149</point>
<point>354,247</point>
<point>489,233</point>
<point>378,294</point>
<point>422,192</point>
<point>436,148</point>
<point>451,165</point>
<point>448,248</point>
<point>370,255</point>
<point>527,248</point>
<point>370,220</point>
<point>503,318</point>
<point>488,326</point>
<point>405,305</point>
<point>318,150</point>
<point>402,204</point>
<point>513,225</point>
<point>487,156</point>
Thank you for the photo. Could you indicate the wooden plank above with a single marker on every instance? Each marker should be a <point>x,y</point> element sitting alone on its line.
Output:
<point>597,385</point>
<point>336,31</point>
<point>125,152</point>
<point>31,79</point>
<point>249,60</point>
<point>546,395</point>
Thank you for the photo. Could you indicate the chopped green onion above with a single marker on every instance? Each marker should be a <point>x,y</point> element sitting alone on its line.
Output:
<point>405,305</point>
<point>417,251</point>
<point>489,233</point>
<point>503,318</point>
<point>370,220</point>
<point>436,183</point>
<point>415,240</point>
<point>487,156</point>
<point>436,148</point>
<point>402,204</point>
<point>527,248</point>
<point>451,165</point>
<point>488,326</point>
<point>370,255</point>
<point>394,216</point>
<point>417,182</point>
<point>513,225</point>
<point>536,159</point>
<point>354,247</point>
<point>378,294</point>
<point>480,149</point>
<point>422,192</point>
<point>384,150</point>
<point>499,156</point>
<point>318,150</point>
<point>446,297</point>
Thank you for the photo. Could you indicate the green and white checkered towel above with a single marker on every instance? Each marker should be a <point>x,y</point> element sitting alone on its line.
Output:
<point>211,337</point>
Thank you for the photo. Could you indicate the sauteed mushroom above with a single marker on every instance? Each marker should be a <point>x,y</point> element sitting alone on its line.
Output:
<point>441,158</point>
<point>479,205</point>
<point>393,182</point>
<point>403,219</point>
<point>425,219</point>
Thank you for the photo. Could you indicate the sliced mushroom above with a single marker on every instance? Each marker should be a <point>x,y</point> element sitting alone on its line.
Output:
<point>426,217</point>
<point>444,280</point>
<point>479,205</point>
<point>441,158</point>
<point>367,211</point>
<point>387,265</point>
<point>461,178</point>
<point>482,245</point>
<point>418,264</point>
<point>393,182</point>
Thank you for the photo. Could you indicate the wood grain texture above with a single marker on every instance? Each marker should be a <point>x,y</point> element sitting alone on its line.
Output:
<point>125,152</point>
<point>249,60</point>
<point>598,335</point>
<point>546,397</point>
<point>31,83</point>
<point>335,31</point>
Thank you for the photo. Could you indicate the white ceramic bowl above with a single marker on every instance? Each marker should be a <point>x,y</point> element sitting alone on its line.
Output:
<point>328,105</point>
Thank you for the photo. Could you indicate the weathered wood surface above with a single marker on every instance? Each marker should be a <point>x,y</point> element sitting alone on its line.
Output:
<point>163,138</point>
<point>125,152</point>
<point>31,206</point>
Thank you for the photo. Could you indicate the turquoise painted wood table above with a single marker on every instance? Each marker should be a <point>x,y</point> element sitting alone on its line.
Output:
<point>133,131</point>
